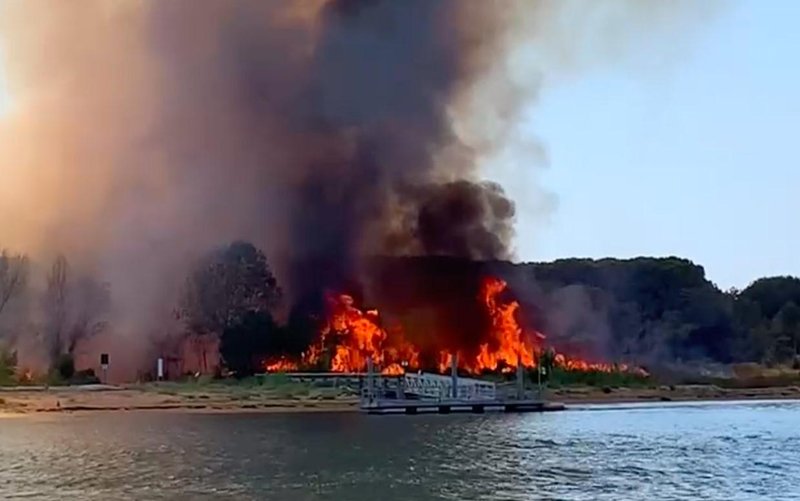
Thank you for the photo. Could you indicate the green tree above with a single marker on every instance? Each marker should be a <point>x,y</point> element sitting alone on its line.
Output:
<point>245,345</point>
<point>226,286</point>
<point>74,308</point>
<point>13,277</point>
<point>55,307</point>
<point>772,293</point>
<point>786,326</point>
<point>8,365</point>
<point>90,309</point>
<point>64,367</point>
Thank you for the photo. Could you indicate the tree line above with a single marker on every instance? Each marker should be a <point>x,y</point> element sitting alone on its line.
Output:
<point>666,309</point>
<point>642,310</point>
<point>52,317</point>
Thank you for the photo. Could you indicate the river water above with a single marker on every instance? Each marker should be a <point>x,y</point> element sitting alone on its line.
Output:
<point>719,451</point>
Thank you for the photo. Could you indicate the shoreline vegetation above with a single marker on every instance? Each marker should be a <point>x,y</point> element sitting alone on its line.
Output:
<point>278,393</point>
<point>675,334</point>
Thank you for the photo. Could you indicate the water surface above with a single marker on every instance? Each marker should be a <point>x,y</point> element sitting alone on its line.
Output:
<point>720,451</point>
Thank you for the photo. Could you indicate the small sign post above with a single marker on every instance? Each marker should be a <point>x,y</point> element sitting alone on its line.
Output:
<point>104,366</point>
<point>542,372</point>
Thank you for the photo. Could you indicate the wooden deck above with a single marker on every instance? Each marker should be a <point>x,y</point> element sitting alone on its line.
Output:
<point>401,406</point>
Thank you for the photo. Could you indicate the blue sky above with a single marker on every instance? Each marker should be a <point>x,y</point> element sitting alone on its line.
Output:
<point>700,160</point>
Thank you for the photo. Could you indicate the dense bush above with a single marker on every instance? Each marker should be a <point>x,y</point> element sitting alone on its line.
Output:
<point>644,311</point>
<point>561,377</point>
<point>65,367</point>
<point>8,365</point>
<point>243,345</point>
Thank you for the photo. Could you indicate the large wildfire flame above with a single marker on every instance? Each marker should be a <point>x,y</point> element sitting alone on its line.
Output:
<point>349,337</point>
<point>352,336</point>
<point>508,345</point>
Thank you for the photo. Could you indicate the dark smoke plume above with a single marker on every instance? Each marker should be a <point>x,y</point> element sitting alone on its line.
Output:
<point>341,121</point>
<point>142,134</point>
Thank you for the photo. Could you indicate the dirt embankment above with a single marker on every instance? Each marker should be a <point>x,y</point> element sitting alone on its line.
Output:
<point>233,398</point>
<point>672,393</point>
<point>168,397</point>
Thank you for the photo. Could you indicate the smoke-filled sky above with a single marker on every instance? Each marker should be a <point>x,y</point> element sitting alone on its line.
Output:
<point>692,155</point>
<point>141,134</point>
<point>136,133</point>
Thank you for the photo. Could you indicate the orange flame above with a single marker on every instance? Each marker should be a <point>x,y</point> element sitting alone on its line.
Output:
<point>282,364</point>
<point>358,335</point>
<point>350,336</point>
<point>508,345</point>
<point>393,370</point>
<point>562,361</point>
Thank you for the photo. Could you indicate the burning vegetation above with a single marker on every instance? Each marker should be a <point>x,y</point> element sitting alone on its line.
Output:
<point>349,337</point>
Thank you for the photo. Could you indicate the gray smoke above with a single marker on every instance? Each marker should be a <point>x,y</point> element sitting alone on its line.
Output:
<point>142,134</point>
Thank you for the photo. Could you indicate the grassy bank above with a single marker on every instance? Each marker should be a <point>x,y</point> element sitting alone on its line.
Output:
<point>279,393</point>
<point>271,386</point>
<point>274,393</point>
<point>742,382</point>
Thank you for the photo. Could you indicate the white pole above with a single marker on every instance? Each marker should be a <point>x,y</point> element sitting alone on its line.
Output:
<point>454,374</point>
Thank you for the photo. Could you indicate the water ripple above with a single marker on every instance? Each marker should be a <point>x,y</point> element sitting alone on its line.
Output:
<point>739,451</point>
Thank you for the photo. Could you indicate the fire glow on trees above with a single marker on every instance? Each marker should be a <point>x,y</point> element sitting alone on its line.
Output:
<point>353,336</point>
<point>508,345</point>
<point>349,336</point>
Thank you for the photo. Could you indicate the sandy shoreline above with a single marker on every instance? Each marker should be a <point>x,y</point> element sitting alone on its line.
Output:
<point>687,393</point>
<point>21,401</point>
<point>25,401</point>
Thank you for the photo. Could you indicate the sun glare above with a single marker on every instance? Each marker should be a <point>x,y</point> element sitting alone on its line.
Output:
<point>5,98</point>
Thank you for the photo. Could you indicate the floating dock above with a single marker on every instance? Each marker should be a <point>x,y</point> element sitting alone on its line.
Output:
<point>436,394</point>
<point>398,406</point>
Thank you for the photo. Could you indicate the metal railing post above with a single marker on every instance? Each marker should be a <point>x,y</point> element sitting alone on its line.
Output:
<point>454,374</point>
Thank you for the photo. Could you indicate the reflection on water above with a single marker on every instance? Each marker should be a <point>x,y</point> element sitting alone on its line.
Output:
<point>707,451</point>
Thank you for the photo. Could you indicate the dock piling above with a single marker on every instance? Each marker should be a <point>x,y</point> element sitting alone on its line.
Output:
<point>454,375</point>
